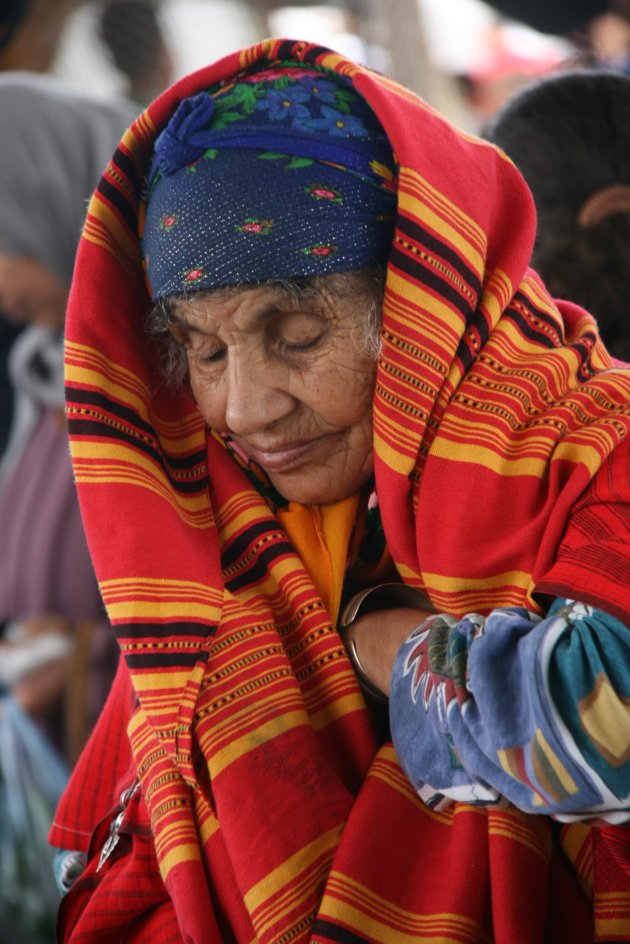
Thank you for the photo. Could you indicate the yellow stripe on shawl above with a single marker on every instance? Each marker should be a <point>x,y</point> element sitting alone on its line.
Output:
<point>88,367</point>
<point>269,47</point>
<point>426,317</point>
<point>456,450</point>
<point>576,841</point>
<point>459,594</point>
<point>98,462</point>
<point>611,916</point>
<point>357,906</point>
<point>176,835</point>
<point>529,831</point>
<point>418,199</point>
<point>111,234</point>
<point>386,768</point>
<point>496,294</point>
<point>236,514</point>
<point>159,587</point>
<point>130,140</point>
<point>260,733</point>
<point>337,706</point>
<point>85,365</point>
<point>152,599</point>
<point>300,876</point>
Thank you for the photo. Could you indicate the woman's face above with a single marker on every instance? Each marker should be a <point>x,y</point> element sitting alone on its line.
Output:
<point>288,380</point>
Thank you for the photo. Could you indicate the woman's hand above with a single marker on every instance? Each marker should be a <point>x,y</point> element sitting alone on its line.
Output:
<point>378,636</point>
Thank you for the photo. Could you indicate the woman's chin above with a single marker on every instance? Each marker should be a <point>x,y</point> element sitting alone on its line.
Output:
<point>318,486</point>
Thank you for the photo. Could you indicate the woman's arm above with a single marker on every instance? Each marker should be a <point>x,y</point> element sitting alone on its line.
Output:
<point>509,706</point>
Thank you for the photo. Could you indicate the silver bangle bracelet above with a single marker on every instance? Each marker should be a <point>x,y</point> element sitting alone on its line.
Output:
<point>383,596</point>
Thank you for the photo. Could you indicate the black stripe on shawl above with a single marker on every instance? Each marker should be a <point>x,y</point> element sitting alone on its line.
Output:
<point>530,331</point>
<point>415,232</point>
<point>554,338</point>
<point>259,566</point>
<point>97,400</point>
<point>286,50</point>
<point>194,631</point>
<point>238,547</point>
<point>334,932</point>
<point>158,660</point>
<point>585,351</point>
<point>126,166</point>
<point>466,351</point>
<point>92,428</point>
<point>119,200</point>
<point>422,272</point>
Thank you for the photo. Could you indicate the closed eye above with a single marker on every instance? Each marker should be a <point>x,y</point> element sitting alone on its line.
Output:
<point>206,358</point>
<point>296,347</point>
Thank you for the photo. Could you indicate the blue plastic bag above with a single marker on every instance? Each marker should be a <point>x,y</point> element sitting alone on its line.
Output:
<point>32,778</point>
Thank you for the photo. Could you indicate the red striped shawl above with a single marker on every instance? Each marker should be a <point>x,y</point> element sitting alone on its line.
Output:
<point>502,470</point>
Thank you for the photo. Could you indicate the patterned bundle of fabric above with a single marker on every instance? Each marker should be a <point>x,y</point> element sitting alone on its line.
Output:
<point>501,460</point>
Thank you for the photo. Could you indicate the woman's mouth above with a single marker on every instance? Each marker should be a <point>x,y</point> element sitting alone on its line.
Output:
<point>281,457</point>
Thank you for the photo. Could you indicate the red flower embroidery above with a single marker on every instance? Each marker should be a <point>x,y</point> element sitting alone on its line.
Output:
<point>168,221</point>
<point>254,225</point>
<point>193,275</point>
<point>320,249</point>
<point>323,192</point>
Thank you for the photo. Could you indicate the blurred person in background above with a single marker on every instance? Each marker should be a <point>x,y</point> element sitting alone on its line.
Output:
<point>55,144</point>
<point>569,135</point>
<point>134,37</point>
<point>29,37</point>
<point>30,32</point>
<point>56,656</point>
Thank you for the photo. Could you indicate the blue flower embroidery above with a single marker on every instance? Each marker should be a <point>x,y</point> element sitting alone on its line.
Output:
<point>283,103</point>
<point>324,90</point>
<point>335,123</point>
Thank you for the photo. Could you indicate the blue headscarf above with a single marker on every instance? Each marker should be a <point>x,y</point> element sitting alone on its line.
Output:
<point>284,173</point>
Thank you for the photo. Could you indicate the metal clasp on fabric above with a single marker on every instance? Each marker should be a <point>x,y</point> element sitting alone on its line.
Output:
<point>114,835</point>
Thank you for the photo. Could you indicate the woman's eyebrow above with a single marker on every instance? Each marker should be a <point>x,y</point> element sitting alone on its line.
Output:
<point>269,310</point>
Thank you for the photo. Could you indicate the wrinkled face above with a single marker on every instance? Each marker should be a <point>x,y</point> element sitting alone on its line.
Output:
<point>31,292</point>
<point>289,380</point>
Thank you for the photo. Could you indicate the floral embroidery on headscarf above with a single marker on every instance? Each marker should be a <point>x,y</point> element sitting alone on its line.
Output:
<point>253,225</point>
<point>320,249</point>
<point>324,192</point>
<point>193,275</point>
<point>168,221</point>
<point>285,97</point>
<point>286,153</point>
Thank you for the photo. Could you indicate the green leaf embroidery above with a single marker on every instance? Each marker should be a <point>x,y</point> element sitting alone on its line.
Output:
<point>297,162</point>
<point>342,107</point>
<point>283,82</point>
<point>347,94</point>
<point>226,118</point>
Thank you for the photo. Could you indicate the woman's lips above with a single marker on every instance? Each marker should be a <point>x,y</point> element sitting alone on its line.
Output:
<point>280,458</point>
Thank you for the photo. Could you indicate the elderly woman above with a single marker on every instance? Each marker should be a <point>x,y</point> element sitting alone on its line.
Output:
<point>381,457</point>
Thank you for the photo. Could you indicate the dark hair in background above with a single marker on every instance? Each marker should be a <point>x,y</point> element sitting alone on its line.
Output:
<point>569,135</point>
<point>135,38</point>
<point>11,16</point>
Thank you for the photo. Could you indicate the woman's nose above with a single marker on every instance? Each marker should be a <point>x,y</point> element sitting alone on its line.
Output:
<point>257,395</point>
